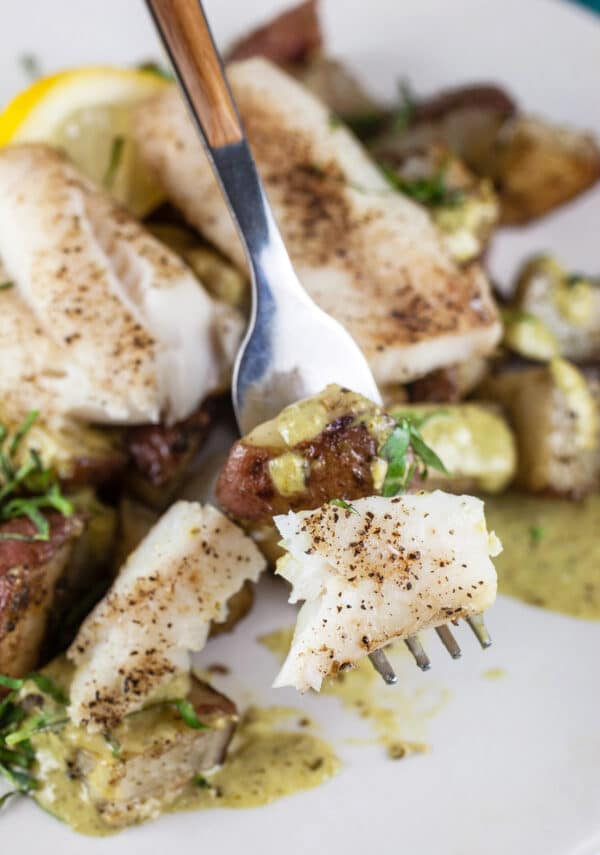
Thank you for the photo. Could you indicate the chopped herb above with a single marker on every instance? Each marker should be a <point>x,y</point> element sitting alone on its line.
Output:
<point>405,112</point>
<point>407,454</point>
<point>574,279</point>
<point>432,191</point>
<point>49,687</point>
<point>115,745</point>
<point>512,316</point>
<point>114,161</point>
<point>4,286</point>
<point>16,727</point>
<point>335,121</point>
<point>157,69</point>
<point>27,488</point>
<point>366,125</point>
<point>200,781</point>
<point>188,714</point>
<point>30,65</point>
<point>340,503</point>
<point>11,682</point>
<point>536,534</point>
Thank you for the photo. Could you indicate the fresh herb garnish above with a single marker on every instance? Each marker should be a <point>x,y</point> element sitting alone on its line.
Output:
<point>536,534</point>
<point>201,781</point>
<point>18,725</point>
<point>341,503</point>
<point>334,121</point>
<point>27,488</point>
<point>405,112</point>
<point>158,70</point>
<point>432,191</point>
<point>5,286</point>
<point>114,161</point>
<point>407,454</point>
<point>30,65</point>
<point>188,714</point>
<point>114,744</point>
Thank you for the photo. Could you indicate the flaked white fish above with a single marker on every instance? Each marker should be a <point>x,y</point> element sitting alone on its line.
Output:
<point>368,255</point>
<point>382,571</point>
<point>126,334</point>
<point>159,608</point>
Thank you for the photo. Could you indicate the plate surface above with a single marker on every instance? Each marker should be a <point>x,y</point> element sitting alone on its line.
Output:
<point>513,766</point>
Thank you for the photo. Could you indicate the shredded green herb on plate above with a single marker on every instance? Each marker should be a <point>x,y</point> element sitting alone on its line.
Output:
<point>346,506</point>
<point>27,488</point>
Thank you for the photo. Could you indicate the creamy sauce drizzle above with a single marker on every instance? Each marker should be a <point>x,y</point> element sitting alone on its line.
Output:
<point>392,715</point>
<point>274,754</point>
<point>551,554</point>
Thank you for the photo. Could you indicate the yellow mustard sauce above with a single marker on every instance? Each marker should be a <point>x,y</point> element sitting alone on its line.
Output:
<point>551,555</point>
<point>265,764</point>
<point>390,715</point>
<point>274,754</point>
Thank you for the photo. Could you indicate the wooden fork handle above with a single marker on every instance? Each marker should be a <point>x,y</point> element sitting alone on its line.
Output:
<point>188,39</point>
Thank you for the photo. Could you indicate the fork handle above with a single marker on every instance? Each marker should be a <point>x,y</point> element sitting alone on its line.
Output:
<point>187,37</point>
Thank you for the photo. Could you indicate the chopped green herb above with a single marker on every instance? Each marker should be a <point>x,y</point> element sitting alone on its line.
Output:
<point>11,682</point>
<point>30,65</point>
<point>432,191</point>
<point>5,286</point>
<point>49,687</point>
<point>536,534</point>
<point>158,70</point>
<point>366,125</point>
<point>340,503</point>
<point>574,279</point>
<point>335,121</point>
<point>407,454</point>
<point>114,161</point>
<point>188,714</point>
<point>115,745</point>
<point>4,798</point>
<point>26,489</point>
<point>200,781</point>
<point>405,112</point>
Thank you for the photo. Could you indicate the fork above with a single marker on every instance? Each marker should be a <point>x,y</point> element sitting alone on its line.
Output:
<point>292,349</point>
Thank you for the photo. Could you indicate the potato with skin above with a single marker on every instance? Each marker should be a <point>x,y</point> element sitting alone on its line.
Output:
<point>567,303</point>
<point>555,419</point>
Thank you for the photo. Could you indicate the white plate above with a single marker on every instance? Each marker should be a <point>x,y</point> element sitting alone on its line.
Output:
<point>514,762</point>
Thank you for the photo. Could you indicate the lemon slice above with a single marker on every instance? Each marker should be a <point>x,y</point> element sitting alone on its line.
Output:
<point>88,113</point>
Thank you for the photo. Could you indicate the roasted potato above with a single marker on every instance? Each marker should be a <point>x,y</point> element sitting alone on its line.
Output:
<point>145,763</point>
<point>160,455</point>
<point>322,448</point>
<point>567,304</point>
<point>473,441</point>
<point>555,419</point>
<point>536,166</point>
<point>42,581</point>
<point>448,385</point>
<point>290,38</point>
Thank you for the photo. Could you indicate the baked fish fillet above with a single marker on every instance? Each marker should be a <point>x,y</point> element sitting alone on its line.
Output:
<point>383,570</point>
<point>367,254</point>
<point>159,608</point>
<point>122,321</point>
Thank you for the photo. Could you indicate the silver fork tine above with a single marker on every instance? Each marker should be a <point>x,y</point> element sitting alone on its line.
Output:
<point>383,666</point>
<point>479,628</point>
<point>449,642</point>
<point>416,648</point>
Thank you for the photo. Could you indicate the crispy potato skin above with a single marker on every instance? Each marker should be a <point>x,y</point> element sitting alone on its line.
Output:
<point>289,38</point>
<point>29,574</point>
<point>159,455</point>
<point>338,462</point>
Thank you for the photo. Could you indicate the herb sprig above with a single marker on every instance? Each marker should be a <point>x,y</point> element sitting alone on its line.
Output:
<point>17,726</point>
<point>346,506</point>
<point>407,454</point>
<point>28,487</point>
<point>431,191</point>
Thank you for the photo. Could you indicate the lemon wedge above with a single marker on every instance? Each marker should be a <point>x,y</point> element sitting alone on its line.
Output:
<point>88,113</point>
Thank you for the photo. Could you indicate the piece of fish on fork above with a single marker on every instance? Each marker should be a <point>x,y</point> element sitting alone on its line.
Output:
<point>292,349</point>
